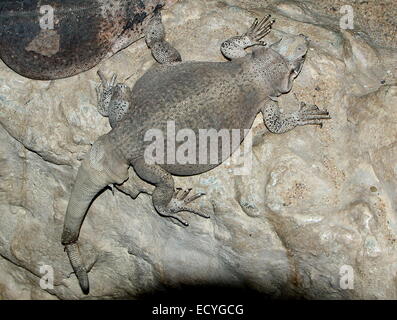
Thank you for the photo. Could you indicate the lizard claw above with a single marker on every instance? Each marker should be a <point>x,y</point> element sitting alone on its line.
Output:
<point>113,81</point>
<point>105,84</point>
<point>104,93</point>
<point>181,202</point>
<point>259,30</point>
<point>103,78</point>
<point>194,197</point>
<point>312,114</point>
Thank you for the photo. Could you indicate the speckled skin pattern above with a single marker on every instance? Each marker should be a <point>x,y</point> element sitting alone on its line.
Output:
<point>85,32</point>
<point>194,95</point>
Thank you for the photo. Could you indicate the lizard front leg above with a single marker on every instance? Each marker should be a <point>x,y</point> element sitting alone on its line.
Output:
<point>234,47</point>
<point>278,122</point>
<point>166,199</point>
<point>162,51</point>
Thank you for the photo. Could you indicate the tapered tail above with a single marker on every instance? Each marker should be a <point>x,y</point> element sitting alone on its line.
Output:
<point>78,267</point>
<point>87,185</point>
<point>99,169</point>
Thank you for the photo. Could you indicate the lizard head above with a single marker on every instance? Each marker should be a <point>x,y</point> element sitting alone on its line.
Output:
<point>281,62</point>
<point>293,50</point>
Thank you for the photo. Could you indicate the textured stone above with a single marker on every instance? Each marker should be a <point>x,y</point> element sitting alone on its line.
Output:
<point>315,200</point>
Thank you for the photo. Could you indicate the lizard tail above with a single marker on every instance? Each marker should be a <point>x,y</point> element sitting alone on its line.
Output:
<point>78,267</point>
<point>99,169</point>
<point>87,185</point>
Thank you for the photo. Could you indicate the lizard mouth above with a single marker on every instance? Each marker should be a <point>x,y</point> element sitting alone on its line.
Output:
<point>295,72</point>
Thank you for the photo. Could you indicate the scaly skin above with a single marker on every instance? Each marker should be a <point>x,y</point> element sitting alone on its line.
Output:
<point>84,33</point>
<point>194,95</point>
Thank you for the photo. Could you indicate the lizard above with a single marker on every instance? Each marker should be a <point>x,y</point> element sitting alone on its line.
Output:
<point>195,95</point>
<point>62,38</point>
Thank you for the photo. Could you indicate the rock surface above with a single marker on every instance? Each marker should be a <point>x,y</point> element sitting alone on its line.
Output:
<point>316,200</point>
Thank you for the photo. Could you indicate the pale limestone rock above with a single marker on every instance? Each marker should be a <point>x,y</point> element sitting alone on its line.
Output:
<point>315,201</point>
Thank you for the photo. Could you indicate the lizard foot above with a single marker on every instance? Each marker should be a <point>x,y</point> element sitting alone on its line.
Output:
<point>259,30</point>
<point>182,202</point>
<point>311,114</point>
<point>104,93</point>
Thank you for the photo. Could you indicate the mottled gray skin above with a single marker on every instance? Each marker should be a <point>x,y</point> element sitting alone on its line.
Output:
<point>194,95</point>
<point>84,33</point>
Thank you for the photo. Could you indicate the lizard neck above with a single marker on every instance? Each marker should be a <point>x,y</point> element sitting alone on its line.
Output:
<point>264,71</point>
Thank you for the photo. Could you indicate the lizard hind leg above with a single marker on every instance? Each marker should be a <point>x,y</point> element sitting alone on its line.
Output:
<point>166,200</point>
<point>163,52</point>
<point>113,99</point>
<point>104,93</point>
